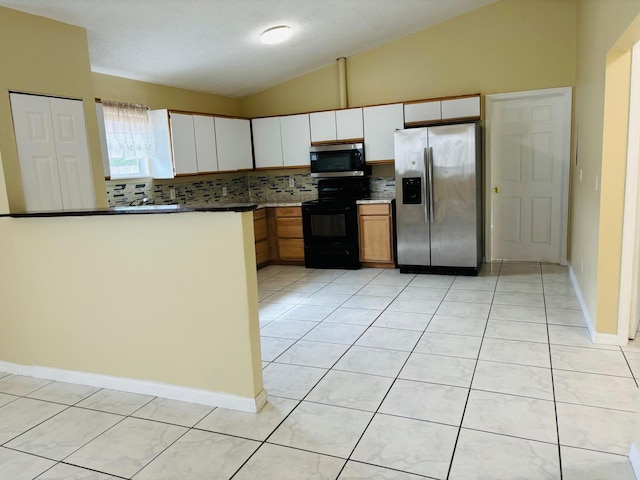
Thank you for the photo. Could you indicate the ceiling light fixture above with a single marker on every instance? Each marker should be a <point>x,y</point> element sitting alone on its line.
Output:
<point>276,35</point>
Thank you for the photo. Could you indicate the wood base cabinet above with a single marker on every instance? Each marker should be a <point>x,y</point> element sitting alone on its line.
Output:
<point>290,239</point>
<point>260,230</point>
<point>375,224</point>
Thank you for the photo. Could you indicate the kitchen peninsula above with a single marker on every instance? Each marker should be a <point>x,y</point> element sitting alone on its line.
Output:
<point>155,300</point>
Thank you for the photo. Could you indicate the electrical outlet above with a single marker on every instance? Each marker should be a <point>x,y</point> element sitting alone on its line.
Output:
<point>224,191</point>
<point>172,193</point>
<point>580,174</point>
<point>292,182</point>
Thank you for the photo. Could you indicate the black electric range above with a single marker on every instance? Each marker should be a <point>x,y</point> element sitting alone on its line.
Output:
<point>330,224</point>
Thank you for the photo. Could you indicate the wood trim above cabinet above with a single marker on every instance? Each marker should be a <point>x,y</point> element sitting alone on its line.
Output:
<point>444,121</point>
<point>338,142</point>
<point>435,99</point>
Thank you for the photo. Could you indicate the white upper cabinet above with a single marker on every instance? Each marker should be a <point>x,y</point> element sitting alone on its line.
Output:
<point>53,152</point>
<point>435,111</point>
<point>267,144</point>
<point>336,125</point>
<point>183,142</point>
<point>194,144</point>
<point>206,150</point>
<point>380,123</point>
<point>323,126</point>
<point>422,112</point>
<point>281,141</point>
<point>233,138</point>
<point>296,140</point>
<point>467,107</point>
<point>349,124</point>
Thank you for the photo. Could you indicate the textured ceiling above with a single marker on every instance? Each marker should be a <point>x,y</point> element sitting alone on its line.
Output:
<point>213,46</point>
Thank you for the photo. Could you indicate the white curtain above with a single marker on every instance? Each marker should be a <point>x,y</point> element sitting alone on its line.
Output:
<point>129,139</point>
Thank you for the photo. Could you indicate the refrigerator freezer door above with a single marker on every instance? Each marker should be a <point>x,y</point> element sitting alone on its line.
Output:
<point>454,227</point>
<point>412,222</point>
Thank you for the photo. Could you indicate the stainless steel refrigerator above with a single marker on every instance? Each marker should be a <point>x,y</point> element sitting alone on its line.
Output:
<point>439,199</point>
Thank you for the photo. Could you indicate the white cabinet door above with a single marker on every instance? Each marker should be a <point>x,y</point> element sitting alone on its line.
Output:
<point>461,107</point>
<point>233,137</point>
<point>183,142</point>
<point>349,124</point>
<point>103,141</point>
<point>296,140</point>
<point>53,153</point>
<point>422,112</point>
<point>380,123</point>
<point>267,144</point>
<point>206,153</point>
<point>323,126</point>
<point>162,163</point>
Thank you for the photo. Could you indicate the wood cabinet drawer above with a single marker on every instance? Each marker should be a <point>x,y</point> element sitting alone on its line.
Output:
<point>262,251</point>
<point>289,212</point>
<point>291,248</point>
<point>374,209</point>
<point>289,227</point>
<point>260,229</point>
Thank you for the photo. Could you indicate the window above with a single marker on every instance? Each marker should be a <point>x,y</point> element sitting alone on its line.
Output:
<point>129,139</point>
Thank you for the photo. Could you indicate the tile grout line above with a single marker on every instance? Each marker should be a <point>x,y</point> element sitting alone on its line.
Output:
<point>553,385</point>
<point>396,377</point>
<point>265,441</point>
<point>464,410</point>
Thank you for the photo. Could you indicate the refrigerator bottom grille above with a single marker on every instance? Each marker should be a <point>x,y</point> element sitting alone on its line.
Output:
<point>439,270</point>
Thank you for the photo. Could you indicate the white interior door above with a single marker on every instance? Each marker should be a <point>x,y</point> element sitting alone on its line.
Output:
<point>72,152</point>
<point>53,152</point>
<point>36,152</point>
<point>528,153</point>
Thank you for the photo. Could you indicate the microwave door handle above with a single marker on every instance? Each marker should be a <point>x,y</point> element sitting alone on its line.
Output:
<point>425,174</point>
<point>431,196</point>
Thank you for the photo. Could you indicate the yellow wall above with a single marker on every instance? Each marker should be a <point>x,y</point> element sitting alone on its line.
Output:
<point>600,135</point>
<point>45,57</point>
<point>155,96</point>
<point>170,298</point>
<point>507,46</point>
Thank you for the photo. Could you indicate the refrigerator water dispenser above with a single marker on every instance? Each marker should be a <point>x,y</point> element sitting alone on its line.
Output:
<point>412,191</point>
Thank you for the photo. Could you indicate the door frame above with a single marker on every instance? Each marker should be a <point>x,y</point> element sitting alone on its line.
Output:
<point>564,94</point>
<point>630,255</point>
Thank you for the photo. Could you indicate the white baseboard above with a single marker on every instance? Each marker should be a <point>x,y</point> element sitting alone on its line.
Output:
<point>145,387</point>
<point>599,338</point>
<point>634,457</point>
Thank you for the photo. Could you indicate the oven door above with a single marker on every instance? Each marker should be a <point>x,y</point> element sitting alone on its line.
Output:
<point>324,224</point>
<point>331,235</point>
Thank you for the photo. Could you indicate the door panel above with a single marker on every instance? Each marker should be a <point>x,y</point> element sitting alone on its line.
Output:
<point>36,152</point>
<point>454,223</point>
<point>509,213</point>
<point>527,155</point>
<point>72,150</point>
<point>412,227</point>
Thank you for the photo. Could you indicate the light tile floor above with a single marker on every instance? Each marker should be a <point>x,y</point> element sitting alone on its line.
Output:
<point>371,374</point>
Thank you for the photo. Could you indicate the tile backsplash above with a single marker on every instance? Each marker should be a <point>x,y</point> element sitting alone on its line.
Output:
<point>241,188</point>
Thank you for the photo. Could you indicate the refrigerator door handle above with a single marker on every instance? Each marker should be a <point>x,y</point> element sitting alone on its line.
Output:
<point>430,175</point>
<point>425,157</point>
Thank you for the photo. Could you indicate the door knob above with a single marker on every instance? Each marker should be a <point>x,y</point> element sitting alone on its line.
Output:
<point>496,189</point>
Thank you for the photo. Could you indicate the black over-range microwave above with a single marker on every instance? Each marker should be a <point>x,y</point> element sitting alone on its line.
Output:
<point>338,160</point>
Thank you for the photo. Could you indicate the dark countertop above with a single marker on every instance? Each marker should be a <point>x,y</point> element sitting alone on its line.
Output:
<point>139,210</point>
